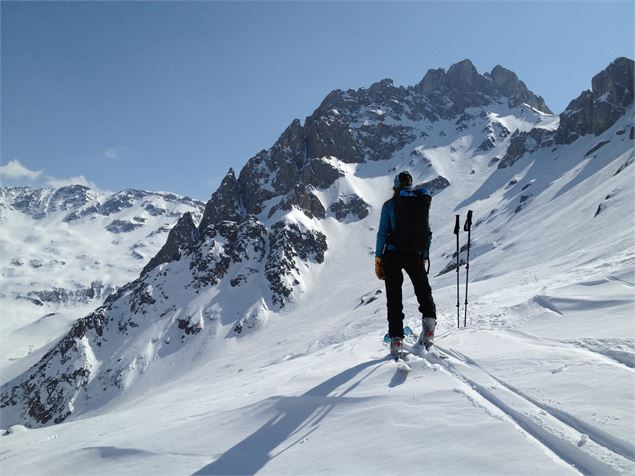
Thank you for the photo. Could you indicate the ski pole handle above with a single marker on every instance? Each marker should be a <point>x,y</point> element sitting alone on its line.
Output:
<point>468,221</point>
<point>456,225</point>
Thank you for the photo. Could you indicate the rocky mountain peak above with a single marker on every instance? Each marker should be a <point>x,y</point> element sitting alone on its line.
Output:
<point>509,85</point>
<point>463,76</point>
<point>432,81</point>
<point>616,82</point>
<point>596,110</point>
<point>181,236</point>
<point>225,203</point>
<point>504,78</point>
<point>380,86</point>
<point>466,87</point>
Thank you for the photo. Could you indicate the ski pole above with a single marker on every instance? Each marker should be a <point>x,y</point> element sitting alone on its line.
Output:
<point>467,227</point>
<point>458,311</point>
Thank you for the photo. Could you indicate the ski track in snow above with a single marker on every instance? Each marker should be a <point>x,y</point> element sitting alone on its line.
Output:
<point>595,348</point>
<point>623,282</point>
<point>621,357</point>
<point>535,423</point>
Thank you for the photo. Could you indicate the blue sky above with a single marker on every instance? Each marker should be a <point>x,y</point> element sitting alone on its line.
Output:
<point>168,96</point>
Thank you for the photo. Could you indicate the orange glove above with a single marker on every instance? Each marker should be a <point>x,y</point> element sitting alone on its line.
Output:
<point>379,268</point>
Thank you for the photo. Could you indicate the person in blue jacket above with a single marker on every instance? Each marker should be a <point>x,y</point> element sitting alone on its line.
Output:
<point>392,257</point>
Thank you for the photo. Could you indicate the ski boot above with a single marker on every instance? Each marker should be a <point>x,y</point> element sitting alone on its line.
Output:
<point>426,339</point>
<point>396,347</point>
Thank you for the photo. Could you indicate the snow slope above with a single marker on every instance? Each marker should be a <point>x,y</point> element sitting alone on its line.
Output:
<point>541,380</point>
<point>62,251</point>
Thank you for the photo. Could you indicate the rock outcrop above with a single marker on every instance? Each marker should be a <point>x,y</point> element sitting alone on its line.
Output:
<point>596,110</point>
<point>289,242</point>
<point>525,142</point>
<point>320,172</point>
<point>435,185</point>
<point>225,203</point>
<point>302,198</point>
<point>465,87</point>
<point>180,237</point>
<point>508,85</point>
<point>350,205</point>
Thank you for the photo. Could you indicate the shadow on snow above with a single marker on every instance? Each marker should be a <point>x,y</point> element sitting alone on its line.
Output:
<point>297,418</point>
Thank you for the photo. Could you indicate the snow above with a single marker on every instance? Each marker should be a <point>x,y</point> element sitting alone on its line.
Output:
<point>49,252</point>
<point>540,382</point>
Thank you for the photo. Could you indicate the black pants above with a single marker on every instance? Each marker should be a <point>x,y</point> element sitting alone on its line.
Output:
<point>393,263</point>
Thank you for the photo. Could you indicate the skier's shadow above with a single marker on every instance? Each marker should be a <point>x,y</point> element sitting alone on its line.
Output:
<point>397,379</point>
<point>298,416</point>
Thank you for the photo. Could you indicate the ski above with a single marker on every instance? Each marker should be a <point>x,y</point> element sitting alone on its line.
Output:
<point>400,360</point>
<point>413,348</point>
<point>420,350</point>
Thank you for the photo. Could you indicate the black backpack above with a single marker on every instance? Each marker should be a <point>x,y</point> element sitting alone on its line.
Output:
<point>412,233</point>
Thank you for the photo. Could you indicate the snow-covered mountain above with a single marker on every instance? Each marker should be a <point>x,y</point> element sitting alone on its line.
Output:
<point>267,312</point>
<point>64,250</point>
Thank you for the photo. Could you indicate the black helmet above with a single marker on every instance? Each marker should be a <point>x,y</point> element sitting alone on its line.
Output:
<point>402,180</point>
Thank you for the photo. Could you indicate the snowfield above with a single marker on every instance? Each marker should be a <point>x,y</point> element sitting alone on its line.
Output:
<point>541,381</point>
<point>62,251</point>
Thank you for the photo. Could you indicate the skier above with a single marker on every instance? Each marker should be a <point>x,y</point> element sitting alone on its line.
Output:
<point>403,243</point>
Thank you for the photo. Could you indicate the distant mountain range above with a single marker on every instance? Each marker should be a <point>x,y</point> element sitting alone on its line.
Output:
<point>64,250</point>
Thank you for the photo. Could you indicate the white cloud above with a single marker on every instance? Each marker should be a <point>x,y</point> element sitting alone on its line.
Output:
<point>18,174</point>
<point>14,170</point>
<point>111,154</point>
<point>77,180</point>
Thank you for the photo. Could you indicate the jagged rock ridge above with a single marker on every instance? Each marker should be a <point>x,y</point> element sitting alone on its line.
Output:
<point>596,110</point>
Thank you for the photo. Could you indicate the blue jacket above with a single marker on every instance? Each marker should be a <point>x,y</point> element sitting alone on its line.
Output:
<point>388,222</point>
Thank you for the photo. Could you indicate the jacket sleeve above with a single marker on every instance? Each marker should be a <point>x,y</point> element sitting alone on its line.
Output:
<point>382,231</point>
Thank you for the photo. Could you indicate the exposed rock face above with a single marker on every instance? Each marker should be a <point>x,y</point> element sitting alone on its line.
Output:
<point>330,135</point>
<point>523,142</point>
<point>465,87</point>
<point>302,198</point>
<point>268,175</point>
<point>224,244</point>
<point>320,173</point>
<point>37,202</point>
<point>596,110</point>
<point>488,144</point>
<point>435,185</point>
<point>288,243</point>
<point>71,196</point>
<point>510,86</point>
<point>122,226</point>
<point>62,387</point>
<point>255,182</point>
<point>291,146</point>
<point>596,147</point>
<point>126,199</point>
<point>80,294</point>
<point>357,125</point>
<point>180,237</point>
<point>225,203</point>
<point>350,205</point>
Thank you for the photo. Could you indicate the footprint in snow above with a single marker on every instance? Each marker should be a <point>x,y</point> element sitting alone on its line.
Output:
<point>583,439</point>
